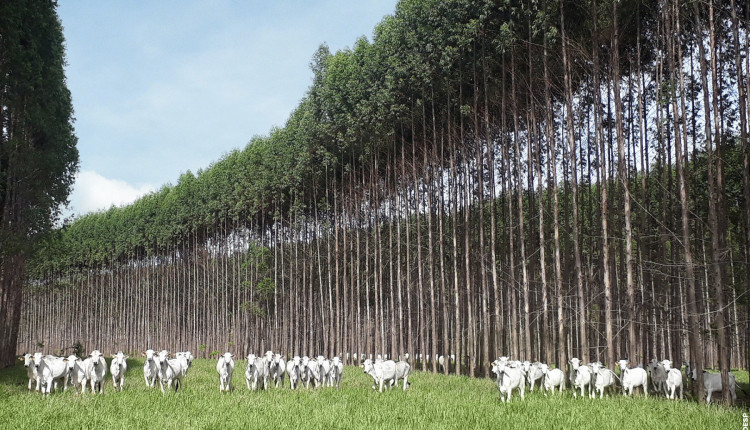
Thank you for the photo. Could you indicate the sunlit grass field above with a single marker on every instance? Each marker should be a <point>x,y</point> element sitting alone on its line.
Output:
<point>431,402</point>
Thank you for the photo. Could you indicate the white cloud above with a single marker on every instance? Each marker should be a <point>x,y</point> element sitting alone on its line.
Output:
<point>93,192</point>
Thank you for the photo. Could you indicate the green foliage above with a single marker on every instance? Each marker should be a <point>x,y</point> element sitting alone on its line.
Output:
<point>38,155</point>
<point>265,288</point>
<point>432,401</point>
<point>78,349</point>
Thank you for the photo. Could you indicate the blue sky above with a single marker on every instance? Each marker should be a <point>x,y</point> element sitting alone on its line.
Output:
<point>162,87</point>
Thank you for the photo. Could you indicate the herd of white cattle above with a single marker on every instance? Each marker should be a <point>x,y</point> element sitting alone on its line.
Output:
<point>594,377</point>
<point>49,371</point>
<point>272,369</point>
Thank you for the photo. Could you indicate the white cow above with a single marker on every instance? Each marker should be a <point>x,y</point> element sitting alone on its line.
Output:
<point>77,374</point>
<point>674,379</point>
<point>402,372</point>
<point>381,371</point>
<point>117,368</point>
<point>552,378</point>
<point>171,371</point>
<point>183,358</point>
<point>313,373</point>
<point>31,373</point>
<point>294,370</point>
<point>256,371</point>
<point>188,356</point>
<point>304,375</point>
<point>324,370</point>
<point>225,367</point>
<point>337,370</point>
<point>96,370</point>
<point>712,384</point>
<point>631,378</point>
<point>150,369</point>
<point>509,378</point>
<point>267,360</point>
<point>276,370</point>
<point>51,370</point>
<point>603,378</point>
<point>583,378</point>
<point>533,373</point>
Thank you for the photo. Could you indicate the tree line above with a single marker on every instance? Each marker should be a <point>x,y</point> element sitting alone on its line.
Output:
<point>537,179</point>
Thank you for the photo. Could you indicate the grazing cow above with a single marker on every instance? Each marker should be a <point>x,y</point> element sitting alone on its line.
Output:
<point>533,373</point>
<point>712,384</point>
<point>117,368</point>
<point>674,379</point>
<point>150,369</point>
<point>582,379</point>
<point>96,370</point>
<point>603,378</point>
<point>294,370</point>
<point>256,371</point>
<point>632,377</point>
<point>276,370</point>
<point>77,373</point>
<point>658,376</point>
<point>552,378</point>
<point>337,370</point>
<point>508,379</point>
<point>225,367</point>
<point>31,373</point>
<point>50,371</point>
<point>171,371</point>
<point>381,371</point>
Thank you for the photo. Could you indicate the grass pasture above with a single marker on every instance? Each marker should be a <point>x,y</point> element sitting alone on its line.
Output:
<point>432,402</point>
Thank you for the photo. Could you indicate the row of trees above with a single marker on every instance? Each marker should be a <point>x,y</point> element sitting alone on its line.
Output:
<point>541,179</point>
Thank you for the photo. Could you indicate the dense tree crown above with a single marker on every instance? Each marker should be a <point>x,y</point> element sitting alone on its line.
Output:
<point>541,179</point>
<point>38,155</point>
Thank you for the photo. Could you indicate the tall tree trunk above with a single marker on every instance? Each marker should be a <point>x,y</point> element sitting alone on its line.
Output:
<point>715,206</point>
<point>681,165</point>
<point>603,183</point>
<point>623,175</point>
<point>584,346</point>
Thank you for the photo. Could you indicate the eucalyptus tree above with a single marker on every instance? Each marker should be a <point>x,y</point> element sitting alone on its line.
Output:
<point>38,155</point>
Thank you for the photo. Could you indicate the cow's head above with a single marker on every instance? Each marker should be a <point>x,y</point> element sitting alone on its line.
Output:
<point>575,363</point>
<point>667,364</point>
<point>37,359</point>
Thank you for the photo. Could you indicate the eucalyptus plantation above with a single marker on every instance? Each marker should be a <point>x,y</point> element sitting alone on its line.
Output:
<point>545,180</point>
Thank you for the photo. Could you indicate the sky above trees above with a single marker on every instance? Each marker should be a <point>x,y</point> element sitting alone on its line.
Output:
<point>164,87</point>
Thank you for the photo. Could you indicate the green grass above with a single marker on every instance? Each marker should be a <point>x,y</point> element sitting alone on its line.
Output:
<point>432,402</point>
